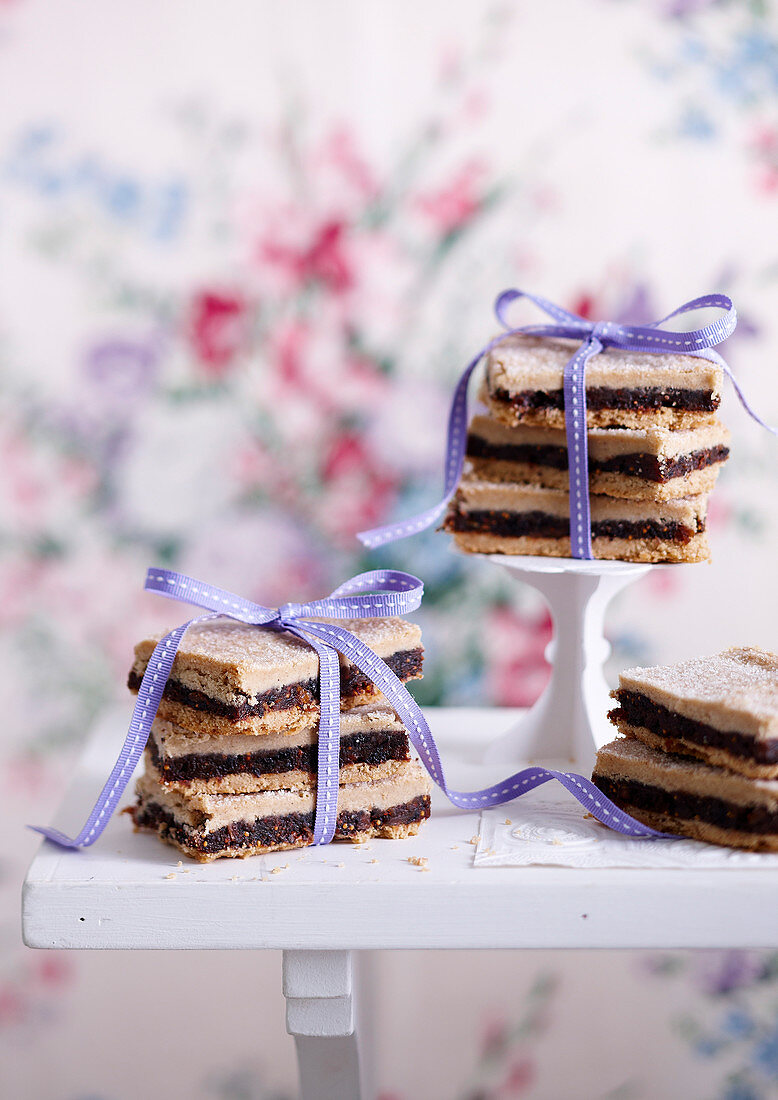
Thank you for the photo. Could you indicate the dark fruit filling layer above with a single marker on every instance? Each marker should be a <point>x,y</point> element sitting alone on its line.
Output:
<point>353,682</point>
<point>358,748</point>
<point>638,710</point>
<point>629,793</point>
<point>541,525</point>
<point>638,399</point>
<point>646,466</point>
<point>274,832</point>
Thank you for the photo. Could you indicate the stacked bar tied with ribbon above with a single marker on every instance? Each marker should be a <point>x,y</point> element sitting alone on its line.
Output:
<point>699,755</point>
<point>231,763</point>
<point>653,442</point>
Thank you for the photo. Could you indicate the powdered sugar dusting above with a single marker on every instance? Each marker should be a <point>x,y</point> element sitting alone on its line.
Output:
<point>524,362</point>
<point>739,684</point>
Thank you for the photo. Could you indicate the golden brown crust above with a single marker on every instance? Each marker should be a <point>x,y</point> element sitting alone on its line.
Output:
<point>200,721</point>
<point>701,830</point>
<point>637,550</point>
<point>386,832</point>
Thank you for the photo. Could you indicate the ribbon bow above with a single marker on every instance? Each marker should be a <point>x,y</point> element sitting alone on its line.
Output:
<point>594,337</point>
<point>377,593</point>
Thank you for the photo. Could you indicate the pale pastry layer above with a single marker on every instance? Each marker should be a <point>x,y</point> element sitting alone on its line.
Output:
<point>173,740</point>
<point>247,783</point>
<point>207,811</point>
<point>476,494</point>
<point>606,443</point>
<point>630,759</point>
<point>607,483</point>
<point>715,755</point>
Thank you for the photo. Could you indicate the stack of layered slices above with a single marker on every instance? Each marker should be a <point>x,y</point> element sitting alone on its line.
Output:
<point>655,450</point>
<point>699,755</point>
<point>231,765</point>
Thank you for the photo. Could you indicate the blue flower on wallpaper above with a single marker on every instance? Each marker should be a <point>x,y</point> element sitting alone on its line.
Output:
<point>738,1024</point>
<point>40,161</point>
<point>741,1090</point>
<point>707,1047</point>
<point>696,123</point>
<point>766,1053</point>
<point>724,55</point>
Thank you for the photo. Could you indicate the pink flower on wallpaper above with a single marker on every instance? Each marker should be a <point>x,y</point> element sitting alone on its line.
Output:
<point>765,148</point>
<point>217,329</point>
<point>314,377</point>
<point>662,584</point>
<point>321,257</point>
<point>631,302</point>
<point>357,491</point>
<point>19,588</point>
<point>494,1040</point>
<point>521,1076</point>
<point>267,557</point>
<point>13,1006</point>
<point>516,668</point>
<point>299,393</point>
<point>720,512</point>
<point>42,487</point>
<point>340,153</point>
<point>54,971</point>
<point>450,207</point>
<point>28,775</point>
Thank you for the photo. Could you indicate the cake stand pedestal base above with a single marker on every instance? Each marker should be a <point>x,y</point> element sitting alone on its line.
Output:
<point>569,721</point>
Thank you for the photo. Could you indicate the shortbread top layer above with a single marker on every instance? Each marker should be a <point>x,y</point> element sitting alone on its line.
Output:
<point>230,660</point>
<point>626,758</point>
<point>477,494</point>
<point>524,363</point>
<point>736,690</point>
<point>605,443</point>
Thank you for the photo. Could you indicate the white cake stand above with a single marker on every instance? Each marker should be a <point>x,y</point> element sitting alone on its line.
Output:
<point>569,720</point>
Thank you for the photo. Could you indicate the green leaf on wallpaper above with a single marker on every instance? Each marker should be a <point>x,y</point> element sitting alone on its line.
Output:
<point>750,521</point>
<point>47,546</point>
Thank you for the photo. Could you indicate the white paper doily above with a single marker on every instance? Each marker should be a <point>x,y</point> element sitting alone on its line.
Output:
<point>548,827</point>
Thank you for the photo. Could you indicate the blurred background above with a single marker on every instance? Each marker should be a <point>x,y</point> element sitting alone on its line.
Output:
<point>246,248</point>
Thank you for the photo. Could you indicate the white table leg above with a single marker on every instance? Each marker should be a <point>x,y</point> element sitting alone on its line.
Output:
<point>321,1015</point>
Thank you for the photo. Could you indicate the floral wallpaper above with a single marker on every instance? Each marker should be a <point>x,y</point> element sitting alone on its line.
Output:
<point>245,258</point>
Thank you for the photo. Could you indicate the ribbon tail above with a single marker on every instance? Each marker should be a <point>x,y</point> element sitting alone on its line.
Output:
<point>410,714</point>
<point>455,460</point>
<point>742,398</point>
<point>149,696</point>
<point>716,358</point>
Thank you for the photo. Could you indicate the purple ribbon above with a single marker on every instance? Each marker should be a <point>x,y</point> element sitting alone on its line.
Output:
<point>378,593</point>
<point>594,337</point>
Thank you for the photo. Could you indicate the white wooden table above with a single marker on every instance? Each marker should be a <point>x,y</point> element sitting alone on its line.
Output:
<point>321,905</point>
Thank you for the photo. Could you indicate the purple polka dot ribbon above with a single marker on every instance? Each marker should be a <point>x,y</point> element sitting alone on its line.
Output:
<point>381,592</point>
<point>593,338</point>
